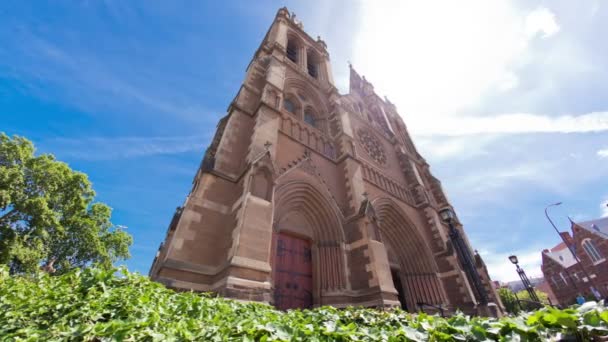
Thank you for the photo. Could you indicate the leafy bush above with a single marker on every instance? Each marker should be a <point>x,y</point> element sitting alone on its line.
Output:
<point>103,305</point>
<point>527,304</point>
<point>515,303</point>
<point>508,299</point>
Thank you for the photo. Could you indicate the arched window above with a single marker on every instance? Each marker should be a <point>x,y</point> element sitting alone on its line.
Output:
<point>292,50</point>
<point>309,118</point>
<point>289,105</point>
<point>591,251</point>
<point>312,62</point>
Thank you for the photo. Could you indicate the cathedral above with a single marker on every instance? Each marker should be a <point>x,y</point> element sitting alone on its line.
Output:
<point>308,197</point>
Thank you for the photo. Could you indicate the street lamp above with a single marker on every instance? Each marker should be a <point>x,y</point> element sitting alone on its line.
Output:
<point>464,254</point>
<point>524,279</point>
<point>447,215</point>
<point>571,249</point>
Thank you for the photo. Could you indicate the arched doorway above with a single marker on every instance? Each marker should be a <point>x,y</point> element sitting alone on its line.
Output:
<point>308,257</point>
<point>413,268</point>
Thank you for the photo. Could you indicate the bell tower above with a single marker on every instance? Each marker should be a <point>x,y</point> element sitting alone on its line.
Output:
<point>308,197</point>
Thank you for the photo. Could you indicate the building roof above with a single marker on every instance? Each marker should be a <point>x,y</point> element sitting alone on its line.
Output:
<point>598,227</point>
<point>558,247</point>
<point>561,254</point>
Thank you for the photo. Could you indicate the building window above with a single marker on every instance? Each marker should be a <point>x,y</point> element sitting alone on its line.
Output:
<point>292,51</point>
<point>289,106</point>
<point>561,274</point>
<point>312,64</point>
<point>554,281</point>
<point>312,70</point>
<point>591,251</point>
<point>309,118</point>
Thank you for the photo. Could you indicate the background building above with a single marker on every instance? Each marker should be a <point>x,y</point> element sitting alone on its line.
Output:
<point>517,285</point>
<point>565,275</point>
<point>307,197</point>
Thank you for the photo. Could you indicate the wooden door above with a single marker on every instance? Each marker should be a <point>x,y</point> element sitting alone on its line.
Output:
<point>292,272</point>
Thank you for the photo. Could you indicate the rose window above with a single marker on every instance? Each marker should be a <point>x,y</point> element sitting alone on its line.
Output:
<point>372,146</point>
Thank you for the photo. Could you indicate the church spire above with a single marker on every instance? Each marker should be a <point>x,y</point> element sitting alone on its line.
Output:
<point>359,83</point>
<point>355,79</point>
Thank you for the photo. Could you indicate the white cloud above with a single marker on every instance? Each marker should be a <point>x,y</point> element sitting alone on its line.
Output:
<point>454,147</point>
<point>110,148</point>
<point>438,56</point>
<point>507,82</point>
<point>488,180</point>
<point>513,124</point>
<point>500,268</point>
<point>542,21</point>
<point>93,81</point>
<point>604,208</point>
<point>603,153</point>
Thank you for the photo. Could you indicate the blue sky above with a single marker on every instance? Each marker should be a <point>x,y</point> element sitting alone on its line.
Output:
<point>506,99</point>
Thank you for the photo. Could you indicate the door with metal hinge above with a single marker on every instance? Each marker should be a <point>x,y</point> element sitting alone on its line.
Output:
<point>292,272</point>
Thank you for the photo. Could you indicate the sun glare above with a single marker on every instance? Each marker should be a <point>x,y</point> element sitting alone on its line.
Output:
<point>436,58</point>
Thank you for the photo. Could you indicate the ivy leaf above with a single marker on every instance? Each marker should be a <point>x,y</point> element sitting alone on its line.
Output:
<point>592,318</point>
<point>97,304</point>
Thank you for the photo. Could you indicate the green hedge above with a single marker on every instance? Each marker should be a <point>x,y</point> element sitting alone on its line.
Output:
<point>107,305</point>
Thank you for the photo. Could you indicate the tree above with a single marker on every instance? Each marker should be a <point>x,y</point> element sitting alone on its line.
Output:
<point>508,299</point>
<point>48,215</point>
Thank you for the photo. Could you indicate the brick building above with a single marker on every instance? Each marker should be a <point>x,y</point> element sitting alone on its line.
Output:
<point>309,197</point>
<point>545,287</point>
<point>563,272</point>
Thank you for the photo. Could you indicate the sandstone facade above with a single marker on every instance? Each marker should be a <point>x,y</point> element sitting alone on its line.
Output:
<point>308,197</point>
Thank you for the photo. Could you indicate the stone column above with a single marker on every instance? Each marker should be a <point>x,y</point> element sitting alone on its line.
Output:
<point>370,271</point>
<point>249,272</point>
<point>303,58</point>
<point>248,275</point>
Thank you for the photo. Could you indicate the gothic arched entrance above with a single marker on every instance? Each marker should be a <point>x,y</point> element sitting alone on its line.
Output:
<point>308,257</point>
<point>413,268</point>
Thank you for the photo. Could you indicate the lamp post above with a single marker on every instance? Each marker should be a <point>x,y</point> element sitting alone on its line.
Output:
<point>524,279</point>
<point>571,249</point>
<point>464,255</point>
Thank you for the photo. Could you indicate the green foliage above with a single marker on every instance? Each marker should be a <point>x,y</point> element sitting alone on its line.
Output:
<point>508,299</point>
<point>526,301</point>
<point>101,305</point>
<point>515,303</point>
<point>47,213</point>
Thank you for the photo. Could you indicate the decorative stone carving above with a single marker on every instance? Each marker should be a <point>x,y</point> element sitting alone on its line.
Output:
<point>372,146</point>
